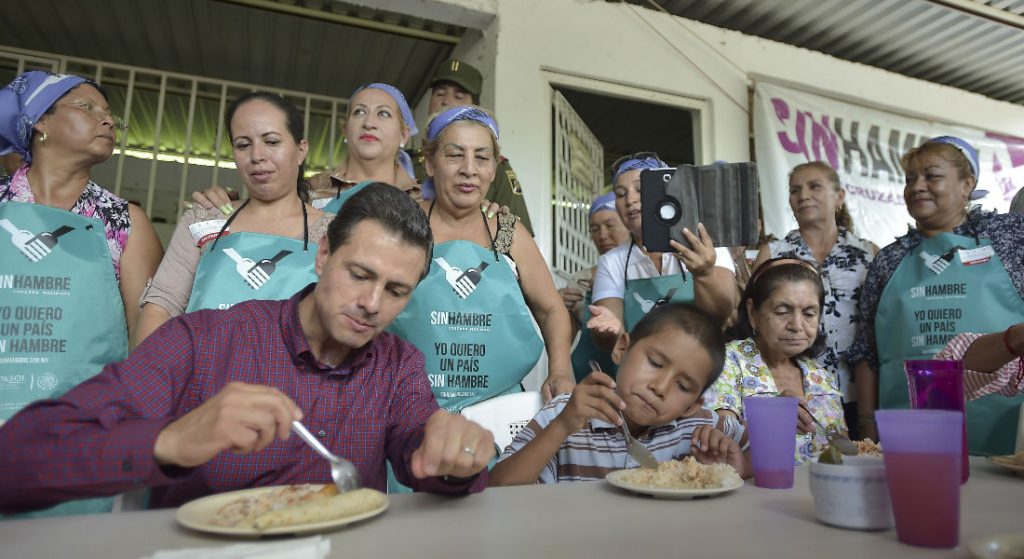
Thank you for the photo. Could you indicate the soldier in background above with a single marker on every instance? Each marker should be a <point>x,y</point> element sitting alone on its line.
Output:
<point>456,83</point>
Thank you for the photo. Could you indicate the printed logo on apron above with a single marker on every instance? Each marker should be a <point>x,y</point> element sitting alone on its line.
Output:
<point>35,247</point>
<point>463,283</point>
<point>643,294</point>
<point>255,273</point>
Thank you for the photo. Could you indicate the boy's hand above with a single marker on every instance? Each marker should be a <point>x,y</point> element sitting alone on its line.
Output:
<point>593,398</point>
<point>711,446</point>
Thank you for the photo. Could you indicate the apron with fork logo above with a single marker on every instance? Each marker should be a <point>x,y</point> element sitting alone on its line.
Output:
<point>643,294</point>
<point>61,316</point>
<point>933,296</point>
<point>252,266</point>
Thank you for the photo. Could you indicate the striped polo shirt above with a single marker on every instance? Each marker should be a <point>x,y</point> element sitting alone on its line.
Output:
<point>600,448</point>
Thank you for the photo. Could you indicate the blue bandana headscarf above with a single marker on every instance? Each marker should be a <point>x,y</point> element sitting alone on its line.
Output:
<point>603,202</point>
<point>24,101</point>
<point>444,120</point>
<point>403,158</point>
<point>634,164</point>
<point>972,158</point>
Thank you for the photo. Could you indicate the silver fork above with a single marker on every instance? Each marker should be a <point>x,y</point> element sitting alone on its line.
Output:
<point>243,266</point>
<point>30,245</point>
<point>636,449</point>
<point>343,472</point>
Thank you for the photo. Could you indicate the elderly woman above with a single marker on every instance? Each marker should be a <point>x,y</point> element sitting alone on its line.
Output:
<point>266,248</point>
<point>825,237</point>
<point>607,232</point>
<point>959,270</point>
<point>630,280</point>
<point>780,314</point>
<point>472,316</point>
<point>79,256</point>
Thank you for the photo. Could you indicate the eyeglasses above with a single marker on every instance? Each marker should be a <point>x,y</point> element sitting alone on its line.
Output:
<point>638,155</point>
<point>119,123</point>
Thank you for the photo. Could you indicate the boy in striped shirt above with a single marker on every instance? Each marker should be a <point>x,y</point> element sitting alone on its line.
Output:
<point>673,354</point>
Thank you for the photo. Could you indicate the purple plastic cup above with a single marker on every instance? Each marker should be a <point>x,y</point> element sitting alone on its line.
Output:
<point>771,422</point>
<point>922,464</point>
<point>935,384</point>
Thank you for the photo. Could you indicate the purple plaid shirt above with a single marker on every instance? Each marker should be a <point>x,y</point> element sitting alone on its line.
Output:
<point>98,438</point>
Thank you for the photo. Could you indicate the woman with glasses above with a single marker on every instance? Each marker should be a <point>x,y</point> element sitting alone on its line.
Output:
<point>265,248</point>
<point>630,281</point>
<point>76,258</point>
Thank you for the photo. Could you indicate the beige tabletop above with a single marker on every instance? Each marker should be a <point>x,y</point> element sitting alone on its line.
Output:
<point>589,520</point>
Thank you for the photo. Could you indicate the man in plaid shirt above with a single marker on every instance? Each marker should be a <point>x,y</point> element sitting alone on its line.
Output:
<point>205,404</point>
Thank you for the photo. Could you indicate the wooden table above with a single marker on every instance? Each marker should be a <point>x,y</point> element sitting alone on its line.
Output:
<point>586,520</point>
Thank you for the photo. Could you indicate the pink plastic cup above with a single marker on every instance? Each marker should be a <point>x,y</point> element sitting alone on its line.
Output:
<point>935,384</point>
<point>921,449</point>
<point>772,425</point>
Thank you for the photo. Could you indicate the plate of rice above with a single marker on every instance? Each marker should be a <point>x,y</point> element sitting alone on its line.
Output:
<point>675,479</point>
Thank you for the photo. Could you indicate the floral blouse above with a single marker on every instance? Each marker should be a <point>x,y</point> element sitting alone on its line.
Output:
<point>746,375</point>
<point>842,274</point>
<point>95,201</point>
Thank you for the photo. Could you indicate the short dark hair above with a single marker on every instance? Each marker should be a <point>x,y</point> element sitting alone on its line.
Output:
<point>393,209</point>
<point>699,324</point>
<point>768,277</point>
<point>292,120</point>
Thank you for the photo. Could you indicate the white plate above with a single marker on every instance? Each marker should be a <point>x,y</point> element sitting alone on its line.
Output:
<point>198,514</point>
<point>1009,462</point>
<point>1004,546</point>
<point>616,478</point>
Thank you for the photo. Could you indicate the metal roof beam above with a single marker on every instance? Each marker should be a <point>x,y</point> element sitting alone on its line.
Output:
<point>342,19</point>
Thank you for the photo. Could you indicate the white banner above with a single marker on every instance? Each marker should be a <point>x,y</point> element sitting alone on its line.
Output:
<point>864,145</point>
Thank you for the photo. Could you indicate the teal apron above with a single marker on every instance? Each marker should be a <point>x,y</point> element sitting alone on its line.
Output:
<point>470,320</point>
<point>246,266</point>
<point>931,297</point>
<point>334,206</point>
<point>61,316</point>
<point>643,294</point>
<point>585,350</point>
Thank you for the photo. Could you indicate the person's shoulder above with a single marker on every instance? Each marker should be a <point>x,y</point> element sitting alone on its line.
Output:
<point>105,196</point>
<point>617,253</point>
<point>1007,222</point>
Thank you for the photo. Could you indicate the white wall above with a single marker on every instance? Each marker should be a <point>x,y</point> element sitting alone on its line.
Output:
<point>620,43</point>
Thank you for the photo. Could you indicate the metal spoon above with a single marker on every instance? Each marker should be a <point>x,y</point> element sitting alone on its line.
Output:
<point>636,449</point>
<point>835,438</point>
<point>343,472</point>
